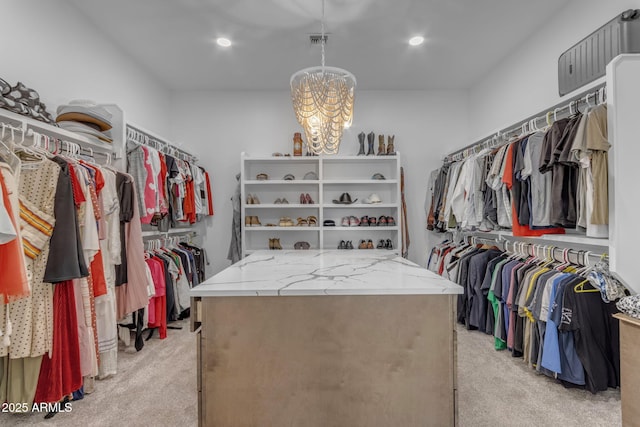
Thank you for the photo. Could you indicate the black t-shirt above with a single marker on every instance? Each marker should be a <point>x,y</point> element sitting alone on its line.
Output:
<point>596,336</point>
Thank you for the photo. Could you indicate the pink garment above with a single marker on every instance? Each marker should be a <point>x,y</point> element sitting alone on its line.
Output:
<point>150,190</point>
<point>157,274</point>
<point>133,295</point>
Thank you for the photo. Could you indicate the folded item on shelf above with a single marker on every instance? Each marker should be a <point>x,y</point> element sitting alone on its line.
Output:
<point>85,111</point>
<point>86,129</point>
<point>289,177</point>
<point>329,223</point>
<point>378,176</point>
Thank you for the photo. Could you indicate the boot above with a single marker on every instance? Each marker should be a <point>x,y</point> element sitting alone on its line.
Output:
<point>270,243</point>
<point>381,149</point>
<point>391,150</point>
<point>276,244</point>
<point>370,138</point>
<point>361,136</point>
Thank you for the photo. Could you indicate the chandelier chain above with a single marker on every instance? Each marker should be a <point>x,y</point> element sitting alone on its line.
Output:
<point>322,40</point>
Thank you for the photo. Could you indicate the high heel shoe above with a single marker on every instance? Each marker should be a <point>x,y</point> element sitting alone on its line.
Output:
<point>369,244</point>
<point>303,199</point>
<point>308,199</point>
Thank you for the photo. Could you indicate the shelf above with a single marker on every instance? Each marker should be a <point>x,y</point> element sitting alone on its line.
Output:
<point>283,181</point>
<point>362,228</point>
<point>360,206</point>
<point>280,206</point>
<point>359,181</point>
<point>331,159</point>
<point>278,228</point>
<point>301,159</point>
<point>29,123</point>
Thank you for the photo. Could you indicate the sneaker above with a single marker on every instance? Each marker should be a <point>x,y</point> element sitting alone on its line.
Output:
<point>390,221</point>
<point>381,244</point>
<point>382,221</point>
<point>389,244</point>
<point>353,221</point>
<point>345,221</point>
<point>349,245</point>
<point>342,245</point>
<point>373,222</point>
<point>278,201</point>
<point>364,221</point>
<point>284,201</point>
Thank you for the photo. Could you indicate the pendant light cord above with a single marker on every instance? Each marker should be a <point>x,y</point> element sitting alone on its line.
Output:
<point>322,36</point>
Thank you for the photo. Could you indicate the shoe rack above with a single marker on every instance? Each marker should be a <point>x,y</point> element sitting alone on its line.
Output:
<point>265,220</point>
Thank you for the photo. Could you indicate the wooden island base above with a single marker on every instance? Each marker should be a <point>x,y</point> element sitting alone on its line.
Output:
<point>356,360</point>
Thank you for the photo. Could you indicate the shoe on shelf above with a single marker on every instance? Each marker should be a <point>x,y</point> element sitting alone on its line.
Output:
<point>382,221</point>
<point>354,221</point>
<point>362,245</point>
<point>249,199</point>
<point>301,245</point>
<point>255,221</point>
<point>270,243</point>
<point>369,244</point>
<point>302,222</point>
<point>389,244</point>
<point>349,244</point>
<point>329,223</point>
<point>381,244</point>
<point>276,244</point>
<point>342,245</point>
<point>308,199</point>
<point>391,222</point>
<point>373,221</point>
<point>345,221</point>
<point>303,199</point>
<point>312,221</point>
<point>262,177</point>
<point>285,221</point>
<point>364,221</point>
<point>247,220</point>
<point>284,201</point>
<point>278,201</point>
<point>255,200</point>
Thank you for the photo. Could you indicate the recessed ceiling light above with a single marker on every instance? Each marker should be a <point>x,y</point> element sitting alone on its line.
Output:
<point>416,41</point>
<point>224,42</point>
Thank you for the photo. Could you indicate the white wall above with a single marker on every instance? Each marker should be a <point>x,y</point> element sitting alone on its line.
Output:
<point>526,81</point>
<point>52,48</point>
<point>220,125</point>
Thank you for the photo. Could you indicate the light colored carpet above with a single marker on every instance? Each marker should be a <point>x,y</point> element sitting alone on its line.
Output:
<point>157,387</point>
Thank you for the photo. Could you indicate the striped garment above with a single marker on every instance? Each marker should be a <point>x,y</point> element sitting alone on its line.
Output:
<point>36,228</point>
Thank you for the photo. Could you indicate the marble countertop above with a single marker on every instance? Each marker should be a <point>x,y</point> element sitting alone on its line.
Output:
<point>324,272</point>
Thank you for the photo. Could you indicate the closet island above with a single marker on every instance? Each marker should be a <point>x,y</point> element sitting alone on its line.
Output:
<point>326,337</point>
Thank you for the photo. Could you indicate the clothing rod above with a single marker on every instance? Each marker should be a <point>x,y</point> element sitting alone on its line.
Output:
<point>160,141</point>
<point>561,107</point>
<point>166,234</point>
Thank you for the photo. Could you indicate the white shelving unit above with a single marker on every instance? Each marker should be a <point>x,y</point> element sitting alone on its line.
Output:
<point>336,175</point>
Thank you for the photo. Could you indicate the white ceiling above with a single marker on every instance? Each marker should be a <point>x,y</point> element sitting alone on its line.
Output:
<point>174,39</point>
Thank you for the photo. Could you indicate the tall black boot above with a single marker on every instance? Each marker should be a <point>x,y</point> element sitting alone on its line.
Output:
<point>370,140</point>
<point>361,136</point>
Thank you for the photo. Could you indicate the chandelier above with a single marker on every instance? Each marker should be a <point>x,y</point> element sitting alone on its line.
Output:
<point>323,103</point>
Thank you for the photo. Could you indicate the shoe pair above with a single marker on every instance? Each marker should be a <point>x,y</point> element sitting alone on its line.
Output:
<point>310,221</point>
<point>345,245</point>
<point>285,221</point>
<point>252,199</point>
<point>381,222</point>
<point>280,201</point>
<point>251,221</point>
<point>350,221</point>
<point>305,199</point>
<point>274,244</point>
<point>385,244</point>
<point>365,221</point>
<point>301,245</point>
<point>365,244</point>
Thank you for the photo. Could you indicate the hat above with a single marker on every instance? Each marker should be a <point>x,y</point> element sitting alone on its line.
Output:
<point>311,175</point>
<point>378,176</point>
<point>289,177</point>
<point>85,111</point>
<point>345,199</point>
<point>373,198</point>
